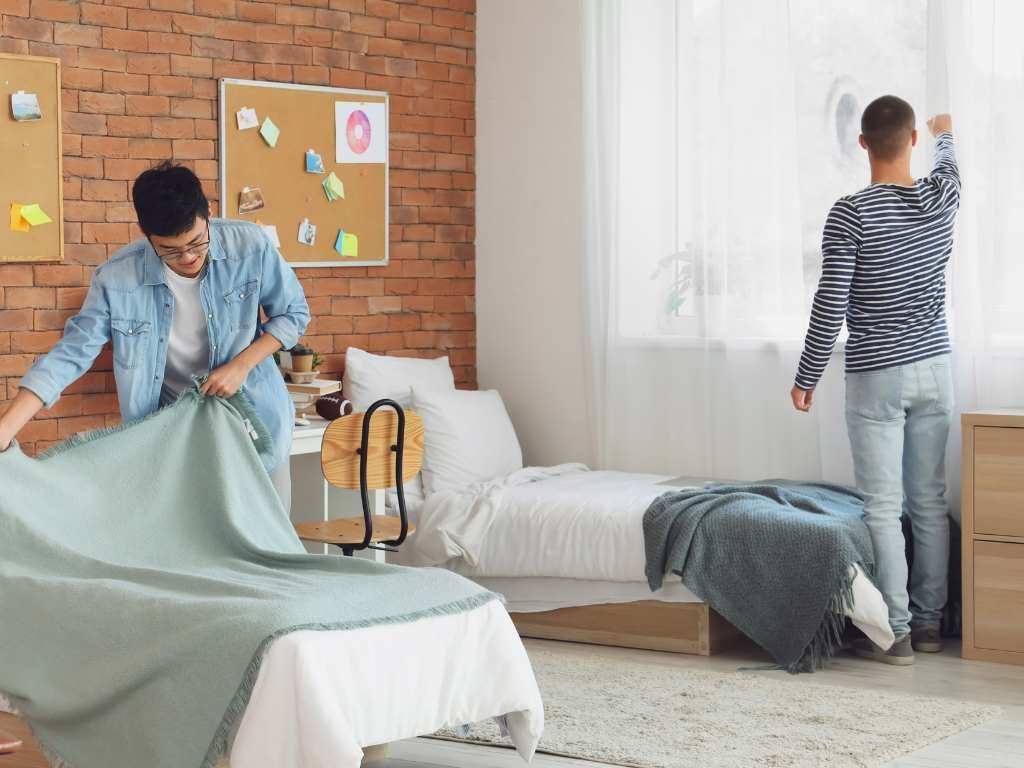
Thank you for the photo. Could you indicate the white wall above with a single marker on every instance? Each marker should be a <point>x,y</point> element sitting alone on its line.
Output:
<point>529,208</point>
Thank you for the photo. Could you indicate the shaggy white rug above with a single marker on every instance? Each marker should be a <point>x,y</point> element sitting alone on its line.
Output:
<point>645,714</point>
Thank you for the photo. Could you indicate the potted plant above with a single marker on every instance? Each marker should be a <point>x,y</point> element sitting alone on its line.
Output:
<point>304,359</point>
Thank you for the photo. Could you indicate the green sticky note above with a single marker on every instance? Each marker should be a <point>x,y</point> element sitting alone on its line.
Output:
<point>34,215</point>
<point>333,187</point>
<point>269,132</point>
<point>349,245</point>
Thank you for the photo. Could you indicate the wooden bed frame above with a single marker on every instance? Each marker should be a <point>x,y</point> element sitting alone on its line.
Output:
<point>647,624</point>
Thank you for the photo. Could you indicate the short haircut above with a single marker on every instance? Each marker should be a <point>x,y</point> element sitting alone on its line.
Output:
<point>168,198</point>
<point>887,124</point>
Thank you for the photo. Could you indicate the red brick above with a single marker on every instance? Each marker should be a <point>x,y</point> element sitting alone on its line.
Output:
<point>13,8</point>
<point>147,105</point>
<point>350,306</point>
<point>149,21</point>
<point>102,403</point>
<point>183,6</point>
<point>123,212</point>
<point>86,79</point>
<point>16,365</point>
<point>148,148</point>
<point>312,75</point>
<point>313,36</point>
<point>70,298</point>
<point>58,274</point>
<point>125,40</point>
<point>169,42</point>
<point>28,29</point>
<point>69,405</point>
<point>20,47</point>
<point>104,15</point>
<point>76,122</point>
<point>220,9</point>
<point>103,103</point>
<point>287,14</point>
<point>77,34</point>
<point>170,85</point>
<point>104,146</point>
<point>402,30</point>
<point>34,341</point>
<point>78,210</point>
<point>383,8</point>
<point>29,298</point>
<point>193,149</point>
<point>208,47</point>
<point>125,170</point>
<point>281,73</point>
<point>207,169</point>
<point>15,319</point>
<point>204,88</point>
<point>432,34</point>
<point>15,274</point>
<point>274,33</point>
<point>89,167</point>
<point>149,64</point>
<point>112,61</point>
<point>191,108</point>
<point>243,31</point>
<point>89,254</point>
<point>263,12</point>
<point>105,232</point>
<point>188,24</point>
<point>51,319</point>
<point>120,125</point>
<point>444,18</point>
<point>191,66</point>
<point>95,189</point>
<point>173,128</point>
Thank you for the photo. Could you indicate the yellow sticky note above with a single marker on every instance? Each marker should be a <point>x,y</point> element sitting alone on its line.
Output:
<point>34,215</point>
<point>18,224</point>
<point>349,245</point>
<point>269,131</point>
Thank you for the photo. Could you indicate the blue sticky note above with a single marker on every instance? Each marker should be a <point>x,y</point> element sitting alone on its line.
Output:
<point>338,244</point>
<point>314,163</point>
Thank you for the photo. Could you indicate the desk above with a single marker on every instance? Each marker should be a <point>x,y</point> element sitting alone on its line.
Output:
<point>314,499</point>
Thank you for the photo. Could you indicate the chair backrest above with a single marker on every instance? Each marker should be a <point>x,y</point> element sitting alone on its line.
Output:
<point>339,452</point>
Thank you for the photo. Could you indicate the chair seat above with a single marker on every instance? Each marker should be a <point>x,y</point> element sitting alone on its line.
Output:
<point>349,531</point>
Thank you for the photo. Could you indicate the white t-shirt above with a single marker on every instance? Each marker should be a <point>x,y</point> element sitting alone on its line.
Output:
<point>188,347</point>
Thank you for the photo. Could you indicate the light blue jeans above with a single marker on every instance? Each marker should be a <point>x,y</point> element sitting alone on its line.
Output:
<point>898,419</point>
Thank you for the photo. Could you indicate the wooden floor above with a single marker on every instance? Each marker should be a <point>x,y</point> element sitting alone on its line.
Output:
<point>996,744</point>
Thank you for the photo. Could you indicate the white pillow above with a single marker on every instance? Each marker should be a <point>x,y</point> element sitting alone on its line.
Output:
<point>369,378</point>
<point>468,438</point>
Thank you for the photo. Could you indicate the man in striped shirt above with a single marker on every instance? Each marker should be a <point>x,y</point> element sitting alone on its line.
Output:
<point>884,256</point>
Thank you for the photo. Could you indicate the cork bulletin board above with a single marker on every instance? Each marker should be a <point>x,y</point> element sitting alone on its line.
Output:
<point>307,118</point>
<point>32,166</point>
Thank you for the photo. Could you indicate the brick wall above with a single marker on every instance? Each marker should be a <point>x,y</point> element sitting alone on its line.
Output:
<point>140,85</point>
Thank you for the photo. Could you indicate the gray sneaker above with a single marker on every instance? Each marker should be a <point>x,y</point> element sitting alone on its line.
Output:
<point>901,654</point>
<point>926,639</point>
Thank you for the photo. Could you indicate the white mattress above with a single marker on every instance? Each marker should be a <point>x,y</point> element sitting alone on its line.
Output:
<point>322,696</point>
<point>565,523</point>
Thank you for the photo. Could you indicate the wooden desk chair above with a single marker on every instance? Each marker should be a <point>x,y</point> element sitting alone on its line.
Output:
<point>363,453</point>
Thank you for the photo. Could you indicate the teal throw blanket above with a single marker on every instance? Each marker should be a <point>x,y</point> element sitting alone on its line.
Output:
<point>145,570</point>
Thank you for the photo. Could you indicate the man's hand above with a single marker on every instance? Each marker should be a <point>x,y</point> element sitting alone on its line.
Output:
<point>941,124</point>
<point>802,398</point>
<point>5,441</point>
<point>226,380</point>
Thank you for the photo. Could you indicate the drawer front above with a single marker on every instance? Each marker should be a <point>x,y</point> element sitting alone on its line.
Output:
<point>999,596</point>
<point>999,481</point>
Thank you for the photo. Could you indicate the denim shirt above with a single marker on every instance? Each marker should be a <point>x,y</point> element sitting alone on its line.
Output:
<point>129,304</point>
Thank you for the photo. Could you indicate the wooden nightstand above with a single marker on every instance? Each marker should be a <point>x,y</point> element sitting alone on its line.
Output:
<point>993,535</point>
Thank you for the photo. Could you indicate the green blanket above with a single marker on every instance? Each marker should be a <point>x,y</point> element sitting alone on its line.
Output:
<point>145,570</point>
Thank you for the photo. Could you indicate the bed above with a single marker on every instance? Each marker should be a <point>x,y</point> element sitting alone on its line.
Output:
<point>563,545</point>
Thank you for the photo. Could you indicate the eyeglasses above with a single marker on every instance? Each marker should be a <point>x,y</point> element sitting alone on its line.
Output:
<point>197,250</point>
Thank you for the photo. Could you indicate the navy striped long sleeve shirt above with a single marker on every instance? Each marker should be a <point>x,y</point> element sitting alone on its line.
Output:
<point>884,255</point>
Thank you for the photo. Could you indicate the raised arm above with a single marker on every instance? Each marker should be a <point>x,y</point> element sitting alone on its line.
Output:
<point>945,169</point>
<point>839,245</point>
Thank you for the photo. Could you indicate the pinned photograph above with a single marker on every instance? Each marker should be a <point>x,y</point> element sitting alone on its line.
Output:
<point>314,163</point>
<point>307,232</point>
<point>25,106</point>
<point>246,118</point>
<point>250,199</point>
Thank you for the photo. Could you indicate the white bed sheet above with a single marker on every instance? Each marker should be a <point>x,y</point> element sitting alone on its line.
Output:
<point>320,697</point>
<point>565,522</point>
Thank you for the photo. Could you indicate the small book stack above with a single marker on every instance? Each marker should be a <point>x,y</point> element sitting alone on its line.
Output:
<point>316,388</point>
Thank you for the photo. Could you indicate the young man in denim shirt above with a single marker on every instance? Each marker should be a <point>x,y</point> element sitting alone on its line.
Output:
<point>884,256</point>
<point>184,301</point>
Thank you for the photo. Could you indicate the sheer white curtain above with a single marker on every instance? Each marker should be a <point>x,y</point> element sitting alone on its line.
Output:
<point>718,134</point>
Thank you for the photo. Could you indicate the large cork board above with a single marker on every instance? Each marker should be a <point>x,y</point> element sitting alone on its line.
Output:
<point>305,116</point>
<point>32,166</point>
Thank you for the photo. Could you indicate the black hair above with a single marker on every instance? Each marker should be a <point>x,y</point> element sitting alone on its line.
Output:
<point>168,198</point>
<point>886,125</point>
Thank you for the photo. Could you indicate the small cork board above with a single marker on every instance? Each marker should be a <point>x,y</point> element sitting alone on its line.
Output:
<point>32,160</point>
<point>305,117</point>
